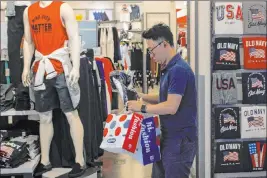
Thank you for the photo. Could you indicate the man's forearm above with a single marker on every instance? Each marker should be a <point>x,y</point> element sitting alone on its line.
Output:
<point>150,98</point>
<point>161,109</point>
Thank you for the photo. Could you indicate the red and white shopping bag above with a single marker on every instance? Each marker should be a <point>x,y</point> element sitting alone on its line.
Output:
<point>121,133</point>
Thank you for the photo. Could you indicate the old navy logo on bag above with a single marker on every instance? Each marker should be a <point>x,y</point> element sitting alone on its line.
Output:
<point>150,149</point>
<point>111,140</point>
<point>133,132</point>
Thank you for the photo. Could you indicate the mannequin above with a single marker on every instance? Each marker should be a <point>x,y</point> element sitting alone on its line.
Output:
<point>42,26</point>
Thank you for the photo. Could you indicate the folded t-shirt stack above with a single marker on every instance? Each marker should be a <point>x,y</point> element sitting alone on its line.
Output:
<point>19,150</point>
<point>6,97</point>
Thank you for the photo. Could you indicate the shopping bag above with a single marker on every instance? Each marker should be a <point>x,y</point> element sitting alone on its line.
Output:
<point>121,133</point>
<point>148,148</point>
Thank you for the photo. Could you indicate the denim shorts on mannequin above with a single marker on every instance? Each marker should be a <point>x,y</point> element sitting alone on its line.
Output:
<point>56,95</point>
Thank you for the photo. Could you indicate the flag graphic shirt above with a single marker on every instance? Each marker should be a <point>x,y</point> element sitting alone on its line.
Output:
<point>253,122</point>
<point>254,155</point>
<point>228,157</point>
<point>224,88</point>
<point>254,88</point>
<point>255,49</point>
<point>227,55</point>
<point>227,123</point>
<point>254,14</point>
<point>228,18</point>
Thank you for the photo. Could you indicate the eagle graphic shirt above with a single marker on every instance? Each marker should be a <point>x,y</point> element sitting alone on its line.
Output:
<point>253,122</point>
<point>254,14</point>
<point>228,18</point>
<point>224,88</point>
<point>227,55</point>
<point>254,155</point>
<point>254,88</point>
<point>228,157</point>
<point>227,123</point>
<point>255,49</point>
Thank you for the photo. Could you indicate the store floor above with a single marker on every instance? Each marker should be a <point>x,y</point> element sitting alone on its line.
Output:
<point>123,166</point>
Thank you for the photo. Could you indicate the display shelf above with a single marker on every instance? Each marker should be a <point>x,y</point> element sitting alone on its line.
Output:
<point>26,168</point>
<point>259,174</point>
<point>13,112</point>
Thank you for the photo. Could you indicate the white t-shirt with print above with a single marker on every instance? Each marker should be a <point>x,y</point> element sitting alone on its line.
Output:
<point>125,13</point>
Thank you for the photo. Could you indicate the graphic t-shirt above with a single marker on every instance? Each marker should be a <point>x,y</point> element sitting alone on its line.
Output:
<point>255,50</point>
<point>254,17</point>
<point>254,156</point>
<point>227,55</point>
<point>253,122</point>
<point>254,88</point>
<point>228,157</point>
<point>227,123</point>
<point>228,18</point>
<point>224,88</point>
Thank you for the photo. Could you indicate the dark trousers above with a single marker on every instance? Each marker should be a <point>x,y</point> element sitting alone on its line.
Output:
<point>15,32</point>
<point>177,156</point>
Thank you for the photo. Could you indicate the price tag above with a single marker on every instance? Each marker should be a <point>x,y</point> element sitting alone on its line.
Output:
<point>7,73</point>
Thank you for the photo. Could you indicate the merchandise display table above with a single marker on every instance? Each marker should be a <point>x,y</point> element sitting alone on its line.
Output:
<point>242,174</point>
<point>26,169</point>
<point>63,173</point>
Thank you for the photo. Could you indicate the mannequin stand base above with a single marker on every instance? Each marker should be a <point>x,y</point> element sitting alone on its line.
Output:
<point>63,173</point>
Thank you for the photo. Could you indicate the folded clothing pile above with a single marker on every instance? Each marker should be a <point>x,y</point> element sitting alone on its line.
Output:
<point>6,97</point>
<point>19,150</point>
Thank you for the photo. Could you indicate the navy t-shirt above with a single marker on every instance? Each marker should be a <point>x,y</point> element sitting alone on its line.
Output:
<point>178,78</point>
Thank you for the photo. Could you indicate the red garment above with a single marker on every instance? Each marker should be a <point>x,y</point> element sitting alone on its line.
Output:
<point>255,49</point>
<point>108,67</point>
<point>47,30</point>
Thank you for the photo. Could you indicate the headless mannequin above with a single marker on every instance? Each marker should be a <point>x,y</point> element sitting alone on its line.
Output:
<point>46,125</point>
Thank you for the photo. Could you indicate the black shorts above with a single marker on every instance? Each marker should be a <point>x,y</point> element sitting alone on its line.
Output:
<point>56,95</point>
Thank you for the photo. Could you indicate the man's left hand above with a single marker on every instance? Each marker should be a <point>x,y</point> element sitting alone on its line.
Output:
<point>134,106</point>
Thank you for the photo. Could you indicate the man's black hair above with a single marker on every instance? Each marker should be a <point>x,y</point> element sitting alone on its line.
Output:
<point>159,31</point>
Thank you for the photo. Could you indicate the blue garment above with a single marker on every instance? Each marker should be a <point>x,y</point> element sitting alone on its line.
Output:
<point>178,78</point>
<point>135,14</point>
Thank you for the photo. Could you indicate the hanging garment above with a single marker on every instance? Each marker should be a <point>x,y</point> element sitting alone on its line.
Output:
<point>126,61</point>
<point>253,122</point>
<point>254,14</point>
<point>227,123</point>
<point>110,45</point>
<point>228,23</point>
<point>15,32</point>
<point>254,153</point>
<point>135,12</point>
<point>117,52</point>
<point>255,52</point>
<point>229,157</point>
<point>103,42</point>
<point>227,55</point>
<point>224,88</point>
<point>254,88</point>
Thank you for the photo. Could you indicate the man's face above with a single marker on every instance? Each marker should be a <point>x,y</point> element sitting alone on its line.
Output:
<point>157,51</point>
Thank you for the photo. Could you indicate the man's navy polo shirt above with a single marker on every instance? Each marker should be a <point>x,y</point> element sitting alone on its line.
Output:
<point>178,78</point>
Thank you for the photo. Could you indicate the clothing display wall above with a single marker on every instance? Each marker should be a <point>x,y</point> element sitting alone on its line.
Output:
<point>239,48</point>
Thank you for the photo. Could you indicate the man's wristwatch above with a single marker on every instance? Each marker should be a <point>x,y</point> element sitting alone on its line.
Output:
<point>143,108</point>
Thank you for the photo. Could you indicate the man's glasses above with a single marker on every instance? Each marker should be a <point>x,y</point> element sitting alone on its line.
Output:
<point>150,51</point>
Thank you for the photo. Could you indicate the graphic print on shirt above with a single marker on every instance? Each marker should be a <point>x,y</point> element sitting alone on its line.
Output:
<point>228,157</point>
<point>254,88</point>
<point>41,24</point>
<point>254,156</point>
<point>253,122</point>
<point>228,18</point>
<point>255,49</point>
<point>254,17</point>
<point>227,55</point>
<point>227,123</point>
<point>224,88</point>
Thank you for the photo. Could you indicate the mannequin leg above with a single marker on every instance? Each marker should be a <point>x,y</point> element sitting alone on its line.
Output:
<point>46,135</point>
<point>77,134</point>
